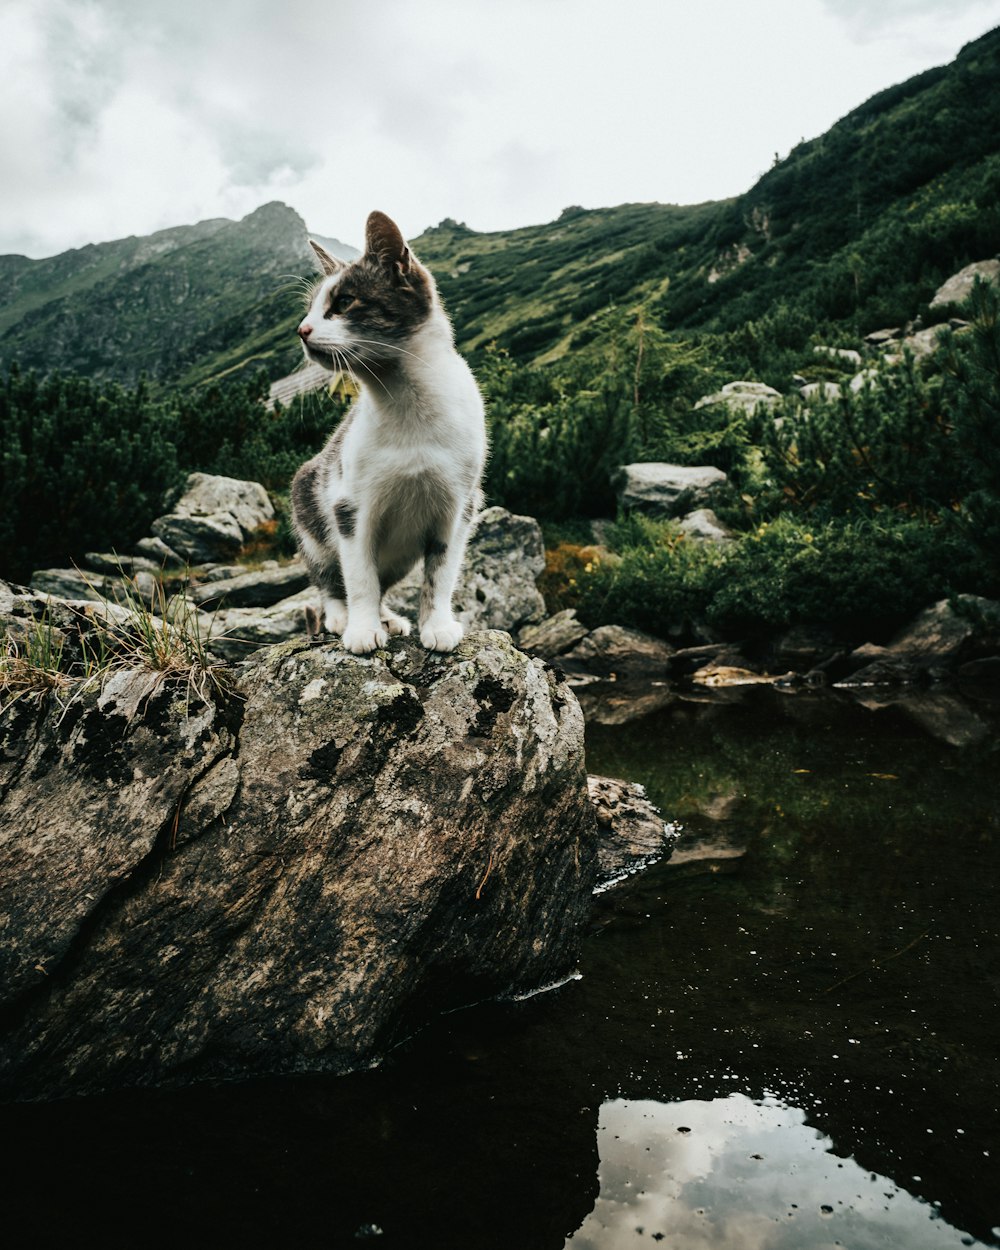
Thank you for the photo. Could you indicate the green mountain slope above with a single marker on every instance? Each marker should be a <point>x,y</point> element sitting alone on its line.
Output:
<point>183,306</point>
<point>860,225</point>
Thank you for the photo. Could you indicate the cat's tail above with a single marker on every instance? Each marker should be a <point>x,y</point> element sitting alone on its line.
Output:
<point>313,625</point>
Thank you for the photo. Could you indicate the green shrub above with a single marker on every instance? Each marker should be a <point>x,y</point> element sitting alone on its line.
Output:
<point>82,466</point>
<point>863,577</point>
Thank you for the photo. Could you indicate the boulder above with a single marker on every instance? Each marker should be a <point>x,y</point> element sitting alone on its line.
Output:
<point>703,526</point>
<point>866,378</point>
<point>742,397</point>
<point>631,831</point>
<point>820,390</point>
<point>289,874</point>
<point>950,631</point>
<point>119,566</point>
<point>879,338</point>
<point>845,354</point>
<point>496,589</point>
<point>959,286</point>
<point>667,489</point>
<point>72,584</point>
<point>552,636</point>
<point>157,550</point>
<point>615,650</point>
<point>214,517</point>
<point>730,675</point>
<point>922,342</point>
<point>257,588</point>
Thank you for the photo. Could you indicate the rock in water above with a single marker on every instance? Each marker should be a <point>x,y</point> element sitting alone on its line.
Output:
<point>290,879</point>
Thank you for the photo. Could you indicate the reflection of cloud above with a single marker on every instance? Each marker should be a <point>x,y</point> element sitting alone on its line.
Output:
<point>742,1175</point>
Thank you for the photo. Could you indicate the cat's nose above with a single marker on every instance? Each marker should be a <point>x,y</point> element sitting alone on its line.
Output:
<point>305,329</point>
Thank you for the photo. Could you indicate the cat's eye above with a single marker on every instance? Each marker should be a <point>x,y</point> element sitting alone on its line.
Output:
<point>340,304</point>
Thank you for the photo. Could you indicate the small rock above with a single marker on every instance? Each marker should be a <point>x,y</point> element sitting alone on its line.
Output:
<point>820,390</point>
<point>157,550</point>
<point>613,649</point>
<point>110,562</point>
<point>552,636</point>
<point>72,584</point>
<point>703,526</point>
<point>847,354</point>
<point>666,489</point>
<point>631,829</point>
<point>878,338</point>
<point>742,396</point>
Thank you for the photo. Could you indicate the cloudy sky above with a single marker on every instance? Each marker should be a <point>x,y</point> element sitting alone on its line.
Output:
<point>120,117</point>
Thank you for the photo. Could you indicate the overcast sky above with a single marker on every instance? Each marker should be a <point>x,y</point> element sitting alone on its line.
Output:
<point>120,117</point>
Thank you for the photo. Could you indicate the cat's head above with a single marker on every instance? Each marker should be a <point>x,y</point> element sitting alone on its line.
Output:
<point>361,315</point>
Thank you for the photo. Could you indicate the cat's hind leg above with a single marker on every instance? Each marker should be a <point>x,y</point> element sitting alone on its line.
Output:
<point>333,601</point>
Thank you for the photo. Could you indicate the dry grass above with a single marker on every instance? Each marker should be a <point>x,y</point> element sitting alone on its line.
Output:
<point>164,636</point>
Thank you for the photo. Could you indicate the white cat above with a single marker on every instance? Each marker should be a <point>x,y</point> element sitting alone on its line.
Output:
<point>399,479</point>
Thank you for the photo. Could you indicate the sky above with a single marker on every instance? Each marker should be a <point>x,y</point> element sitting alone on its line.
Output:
<point>122,117</point>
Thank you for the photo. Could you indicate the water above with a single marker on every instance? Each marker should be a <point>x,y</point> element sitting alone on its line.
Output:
<point>782,1039</point>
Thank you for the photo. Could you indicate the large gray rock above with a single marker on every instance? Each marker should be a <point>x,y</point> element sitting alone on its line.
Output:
<point>214,517</point>
<point>72,584</point>
<point>742,397</point>
<point>292,877</point>
<point>942,637</point>
<point>950,631</point>
<point>258,588</point>
<point>845,354</point>
<point>496,589</point>
<point>958,288</point>
<point>235,632</point>
<point>667,489</point>
<point>820,390</point>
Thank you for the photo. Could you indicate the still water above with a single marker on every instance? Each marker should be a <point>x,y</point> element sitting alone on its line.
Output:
<point>783,1038</point>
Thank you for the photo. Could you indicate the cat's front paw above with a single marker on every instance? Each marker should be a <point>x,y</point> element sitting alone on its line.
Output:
<point>442,635</point>
<point>360,640</point>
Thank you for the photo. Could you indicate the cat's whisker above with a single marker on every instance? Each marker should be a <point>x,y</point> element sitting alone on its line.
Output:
<point>393,347</point>
<point>356,357</point>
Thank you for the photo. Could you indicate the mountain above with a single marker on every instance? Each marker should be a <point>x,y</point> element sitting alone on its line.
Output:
<point>855,228</point>
<point>183,306</point>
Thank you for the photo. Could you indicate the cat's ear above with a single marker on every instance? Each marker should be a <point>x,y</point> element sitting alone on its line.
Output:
<point>385,243</point>
<point>329,264</point>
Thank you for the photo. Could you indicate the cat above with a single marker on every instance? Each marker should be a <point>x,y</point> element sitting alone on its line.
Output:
<point>400,477</point>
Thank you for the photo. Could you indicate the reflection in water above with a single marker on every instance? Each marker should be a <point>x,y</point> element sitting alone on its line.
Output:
<point>734,1174</point>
